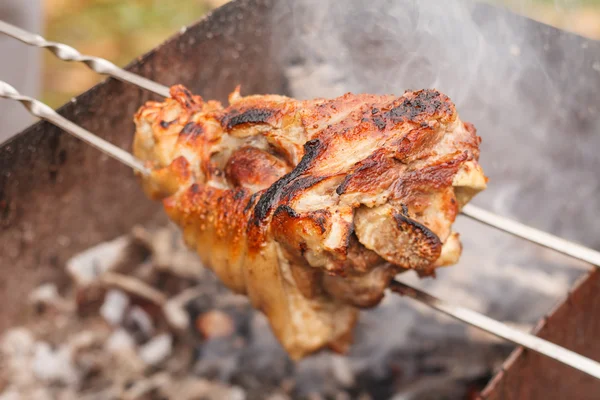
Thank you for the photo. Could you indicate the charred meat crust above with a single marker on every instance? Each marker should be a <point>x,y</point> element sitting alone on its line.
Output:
<point>287,210</point>
<point>418,104</point>
<point>427,244</point>
<point>236,117</point>
<point>272,195</point>
<point>166,124</point>
<point>192,129</point>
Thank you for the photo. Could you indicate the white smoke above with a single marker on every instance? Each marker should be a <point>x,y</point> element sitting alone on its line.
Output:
<point>534,96</point>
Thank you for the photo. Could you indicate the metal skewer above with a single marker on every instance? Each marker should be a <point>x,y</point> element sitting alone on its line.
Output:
<point>43,111</point>
<point>501,330</point>
<point>533,235</point>
<point>507,225</point>
<point>97,64</point>
<point>480,321</point>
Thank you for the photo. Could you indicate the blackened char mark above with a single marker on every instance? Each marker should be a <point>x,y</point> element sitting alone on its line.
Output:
<point>405,209</point>
<point>239,194</point>
<point>342,187</point>
<point>320,217</point>
<point>380,122</point>
<point>251,116</point>
<point>189,99</point>
<point>377,119</point>
<point>272,195</point>
<point>403,222</point>
<point>286,209</point>
<point>192,129</point>
<point>166,124</point>
<point>424,101</point>
<point>298,185</point>
<point>251,201</point>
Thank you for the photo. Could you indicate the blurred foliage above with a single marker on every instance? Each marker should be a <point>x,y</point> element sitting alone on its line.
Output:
<point>118,30</point>
<point>121,30</point>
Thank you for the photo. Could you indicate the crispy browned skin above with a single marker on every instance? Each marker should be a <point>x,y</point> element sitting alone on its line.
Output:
<point>311,207</point>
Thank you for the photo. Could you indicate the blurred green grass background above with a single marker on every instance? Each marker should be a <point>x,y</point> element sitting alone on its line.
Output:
<point>121,30</point>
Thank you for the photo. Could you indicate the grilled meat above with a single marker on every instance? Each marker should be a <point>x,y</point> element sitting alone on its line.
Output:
<point>311,207</point>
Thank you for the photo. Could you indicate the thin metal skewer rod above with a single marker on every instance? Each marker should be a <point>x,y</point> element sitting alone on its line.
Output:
<point>43,111</point>
<point>501,330</point>
<point>103,66</point>
<point>97,64</point>
<point>533,235</point>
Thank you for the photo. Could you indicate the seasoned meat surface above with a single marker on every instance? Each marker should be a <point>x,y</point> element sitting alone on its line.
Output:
<point>311,207</point>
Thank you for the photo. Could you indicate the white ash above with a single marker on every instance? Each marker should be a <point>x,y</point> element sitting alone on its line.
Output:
<point>55,365</point>
<point>125,362</point>
<point>242,350</point>
<point>44,294</point>
<point>114,307</point>
<point>85,267</point>
<point>157,349</point>
<point>120,340</point>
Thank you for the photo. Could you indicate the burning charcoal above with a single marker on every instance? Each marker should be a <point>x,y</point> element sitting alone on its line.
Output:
<point>87,354</point>
<point>47,295</point>
<point>140,322</point>
<point>125,361</point>
<point>134,287</point>
<point>86,267</point>
<point>114,306</point>
<point>215,324</point>
<point>157,349</point>
<point>169,252</point>
<point>174,310</point>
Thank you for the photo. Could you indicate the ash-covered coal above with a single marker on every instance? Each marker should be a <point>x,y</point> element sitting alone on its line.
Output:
<point>139,329</point>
